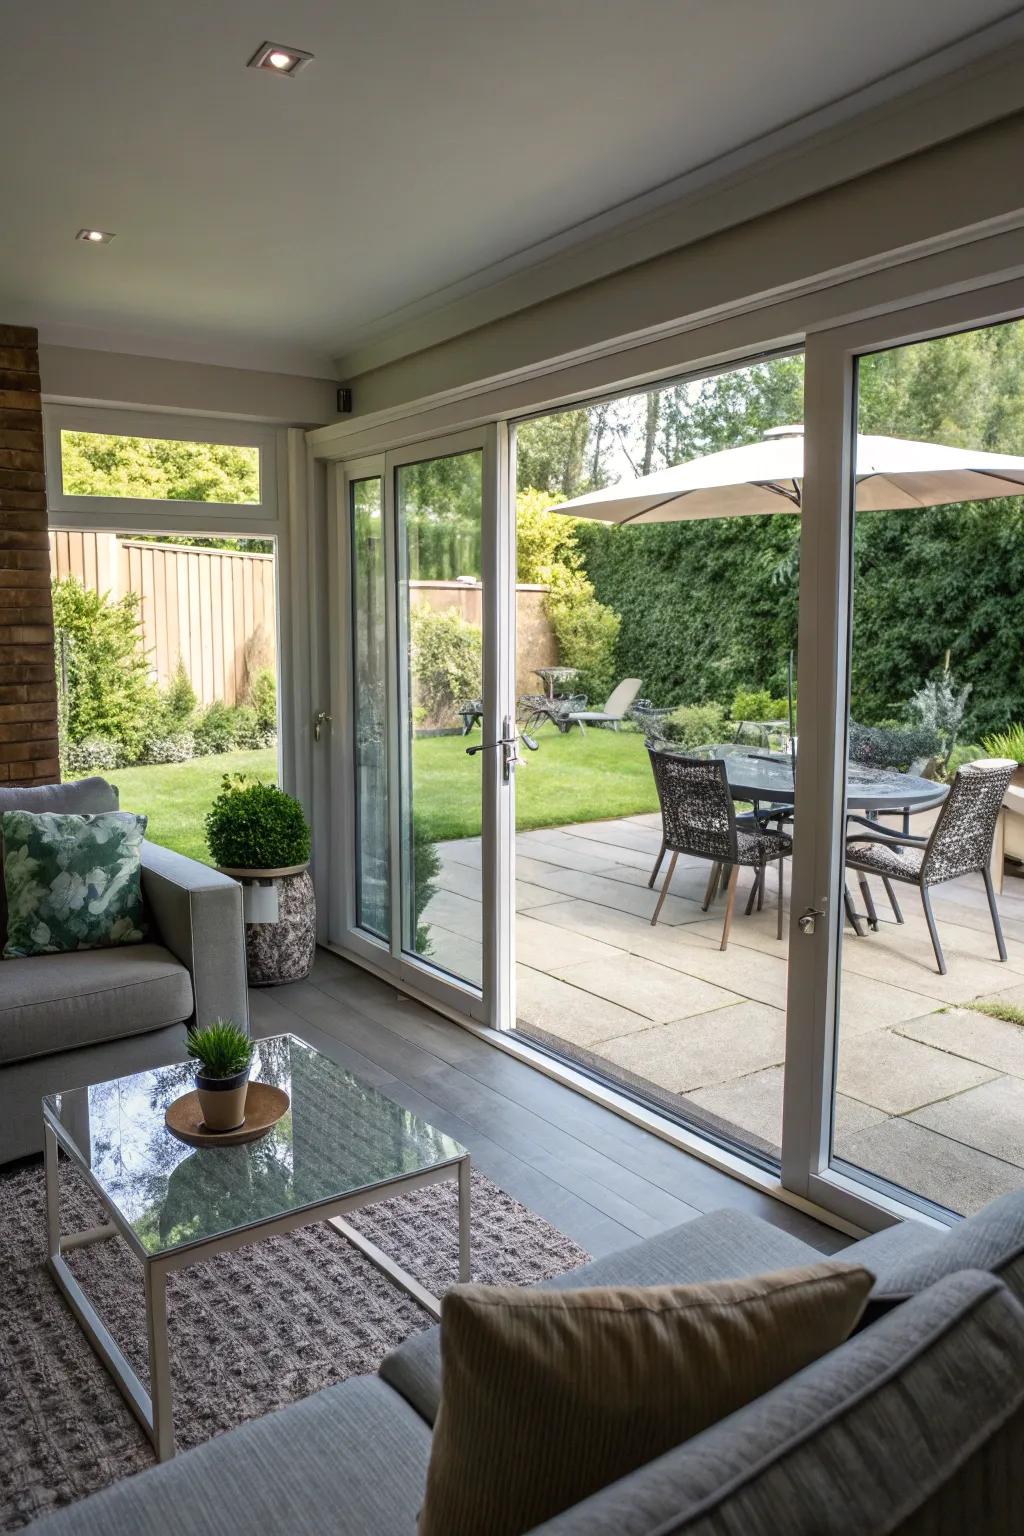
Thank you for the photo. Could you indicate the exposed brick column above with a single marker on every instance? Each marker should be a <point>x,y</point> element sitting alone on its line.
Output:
<point>28,692</point>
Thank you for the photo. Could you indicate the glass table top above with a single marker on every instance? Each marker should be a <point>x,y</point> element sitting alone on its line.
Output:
<point>339,1136</point>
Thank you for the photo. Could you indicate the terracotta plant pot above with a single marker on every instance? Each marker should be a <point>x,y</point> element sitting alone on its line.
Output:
<point>222,1100</point>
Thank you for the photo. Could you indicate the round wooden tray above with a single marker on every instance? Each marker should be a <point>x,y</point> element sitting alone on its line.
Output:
<point>264,1106</point>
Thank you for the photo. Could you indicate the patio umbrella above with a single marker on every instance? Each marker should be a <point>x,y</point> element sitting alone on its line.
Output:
<point>892,473</point>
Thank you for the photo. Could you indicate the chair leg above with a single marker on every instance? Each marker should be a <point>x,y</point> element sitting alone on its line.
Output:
<point>996,924</point>
<point>657,866</point>
<point>869,903</point>
<point>851,911</point>
<point>734,875</point>
<point>711,887</point>
<point>940,958</point>
<point>782,865</point>
<point>887,883</point>
<point>664,889</point>
<point>754,891</point>
<point>760,887</point>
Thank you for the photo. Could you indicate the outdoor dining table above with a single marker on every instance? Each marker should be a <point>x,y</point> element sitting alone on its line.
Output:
<point>768,777</point>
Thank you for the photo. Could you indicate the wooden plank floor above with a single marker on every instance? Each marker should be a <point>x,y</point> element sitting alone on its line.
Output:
<point>601,1180</point>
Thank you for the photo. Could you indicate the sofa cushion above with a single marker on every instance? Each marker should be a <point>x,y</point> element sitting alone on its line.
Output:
<point>350,1461</point>
<point>992,1239</point>
<point>915,1425</point>
<point>73,882</point>
<point>59,1002</point>
<point>722,1245</point>
<point>81,797</point>
<point>551,1395</point>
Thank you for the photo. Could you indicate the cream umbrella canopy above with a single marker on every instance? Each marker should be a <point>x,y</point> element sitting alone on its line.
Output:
<point>765,477</point>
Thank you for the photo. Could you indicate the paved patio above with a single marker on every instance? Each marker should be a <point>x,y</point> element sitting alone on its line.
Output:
<point>930,1094</point>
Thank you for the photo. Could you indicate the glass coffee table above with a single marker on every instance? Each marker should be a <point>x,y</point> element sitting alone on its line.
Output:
<point>341,1145</point>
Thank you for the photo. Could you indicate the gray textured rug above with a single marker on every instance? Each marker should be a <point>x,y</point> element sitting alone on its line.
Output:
<point>250,1331</point>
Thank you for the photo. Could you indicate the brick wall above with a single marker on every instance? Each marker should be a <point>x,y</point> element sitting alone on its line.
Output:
<point>28,693</point>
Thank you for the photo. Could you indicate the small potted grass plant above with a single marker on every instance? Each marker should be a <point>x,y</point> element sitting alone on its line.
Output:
<point>259,835</point>
<point>224,1056</point>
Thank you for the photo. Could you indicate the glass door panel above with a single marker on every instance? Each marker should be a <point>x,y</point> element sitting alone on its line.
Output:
<point>663,971</point>
<point>928,1089</point>
<point>439,534</point>
<point>369,706</point>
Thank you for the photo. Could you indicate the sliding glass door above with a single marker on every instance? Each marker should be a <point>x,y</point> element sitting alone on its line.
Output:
<point>906,1083</point>
<point>420,687</point>
<point>834,625</point>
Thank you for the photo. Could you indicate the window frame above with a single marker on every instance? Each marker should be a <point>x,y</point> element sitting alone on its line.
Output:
<point>116,513</point>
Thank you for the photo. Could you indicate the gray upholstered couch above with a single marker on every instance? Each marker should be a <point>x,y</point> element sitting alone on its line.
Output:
<point>914,1425</point>
<point>70,1020</point>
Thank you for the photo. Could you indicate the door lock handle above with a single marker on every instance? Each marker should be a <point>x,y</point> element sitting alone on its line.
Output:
<point>486,746</point>
<point>807,919</point>
<point>320,719</point>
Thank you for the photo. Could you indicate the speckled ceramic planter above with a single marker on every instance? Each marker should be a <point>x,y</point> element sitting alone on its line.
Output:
<point>283,950</point>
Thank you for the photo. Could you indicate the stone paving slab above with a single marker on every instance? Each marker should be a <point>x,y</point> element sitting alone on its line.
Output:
<point>706,1049</point>
<point>896,1075</point>
<point>547,949</point>
<point>753,1104</point>
<point>637,901</point>
<point>993,1042</point>
<point>642,986</point>
<point>578,1017</point>
<point>938,1167</point>
<point>990,1118</point>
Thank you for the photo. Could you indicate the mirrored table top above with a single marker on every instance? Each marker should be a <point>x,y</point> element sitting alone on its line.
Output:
<point>339,1136</point>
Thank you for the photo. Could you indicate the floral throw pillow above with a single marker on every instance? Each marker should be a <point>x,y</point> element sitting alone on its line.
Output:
<point>73,882</point>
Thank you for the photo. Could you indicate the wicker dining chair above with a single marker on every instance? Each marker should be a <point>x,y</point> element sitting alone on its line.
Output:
<point>698,819</point>
<point>960,843</point>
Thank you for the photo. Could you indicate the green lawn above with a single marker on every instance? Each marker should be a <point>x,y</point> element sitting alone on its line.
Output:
<point>177,796</point>
<point>570,778</point>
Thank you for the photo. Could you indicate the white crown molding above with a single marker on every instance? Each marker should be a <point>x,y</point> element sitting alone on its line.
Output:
<point>223,352</point>
<point>963,86</point>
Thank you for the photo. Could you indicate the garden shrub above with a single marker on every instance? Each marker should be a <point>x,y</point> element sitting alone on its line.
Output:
<point>263,699</point>
<point>940,705</point>
<point>543,539</point>
<point>587,632</point>
<point>972,752</point>
<point>94,755</point>
<point>426,866</point>
<point>253,825</point>
<point>1008,743</point>
<point>177,747</point>
<point>757,704</point>
<point>694,725</point>
<point>446,661</point>
<point>215,729</point>
<point>178,702</point>
<point>892,744</point>
<point>249,735</point>
<point>103,669</point>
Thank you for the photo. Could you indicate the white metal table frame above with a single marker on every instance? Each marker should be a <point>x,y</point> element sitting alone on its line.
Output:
<point>155,1409</point>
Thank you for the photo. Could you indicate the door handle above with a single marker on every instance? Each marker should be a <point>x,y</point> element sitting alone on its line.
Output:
<point>320,719</point>
<point>807,919</point>
<point>508,743</point>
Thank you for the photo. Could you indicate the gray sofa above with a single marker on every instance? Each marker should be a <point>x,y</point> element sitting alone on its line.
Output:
<point>915,1425</point>
<point>70,1020</point>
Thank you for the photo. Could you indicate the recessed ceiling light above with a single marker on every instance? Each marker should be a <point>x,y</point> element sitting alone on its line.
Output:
<point>95,236</point>
<point>278,59</point>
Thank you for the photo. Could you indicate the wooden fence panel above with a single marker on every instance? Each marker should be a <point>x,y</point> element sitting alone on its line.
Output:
<point>216,609</point>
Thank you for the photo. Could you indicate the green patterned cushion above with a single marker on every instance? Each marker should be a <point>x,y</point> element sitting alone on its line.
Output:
<point>73,882</point>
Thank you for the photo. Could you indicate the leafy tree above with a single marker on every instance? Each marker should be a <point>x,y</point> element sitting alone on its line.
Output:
<point>103,669</point>
<point>446,659</point>
<point>158,469</point>
<point>586,631</point>
<point>543,538</point>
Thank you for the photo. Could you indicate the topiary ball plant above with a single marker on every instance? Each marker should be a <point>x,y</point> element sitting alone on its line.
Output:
<point>252,825</point>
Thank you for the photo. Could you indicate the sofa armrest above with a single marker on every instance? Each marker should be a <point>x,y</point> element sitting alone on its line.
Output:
<point>198,915</point>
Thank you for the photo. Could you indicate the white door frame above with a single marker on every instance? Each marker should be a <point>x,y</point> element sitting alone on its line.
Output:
<point>825,643</point>
<point>491,1004</point>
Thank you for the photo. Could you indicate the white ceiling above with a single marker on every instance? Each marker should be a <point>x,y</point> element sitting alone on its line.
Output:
<point>276,222</point>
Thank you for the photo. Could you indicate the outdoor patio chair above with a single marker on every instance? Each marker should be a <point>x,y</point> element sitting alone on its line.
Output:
<point>616,707</point>
<point>532,709</point>
<point>698,818</point>
<point>960,843</point>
